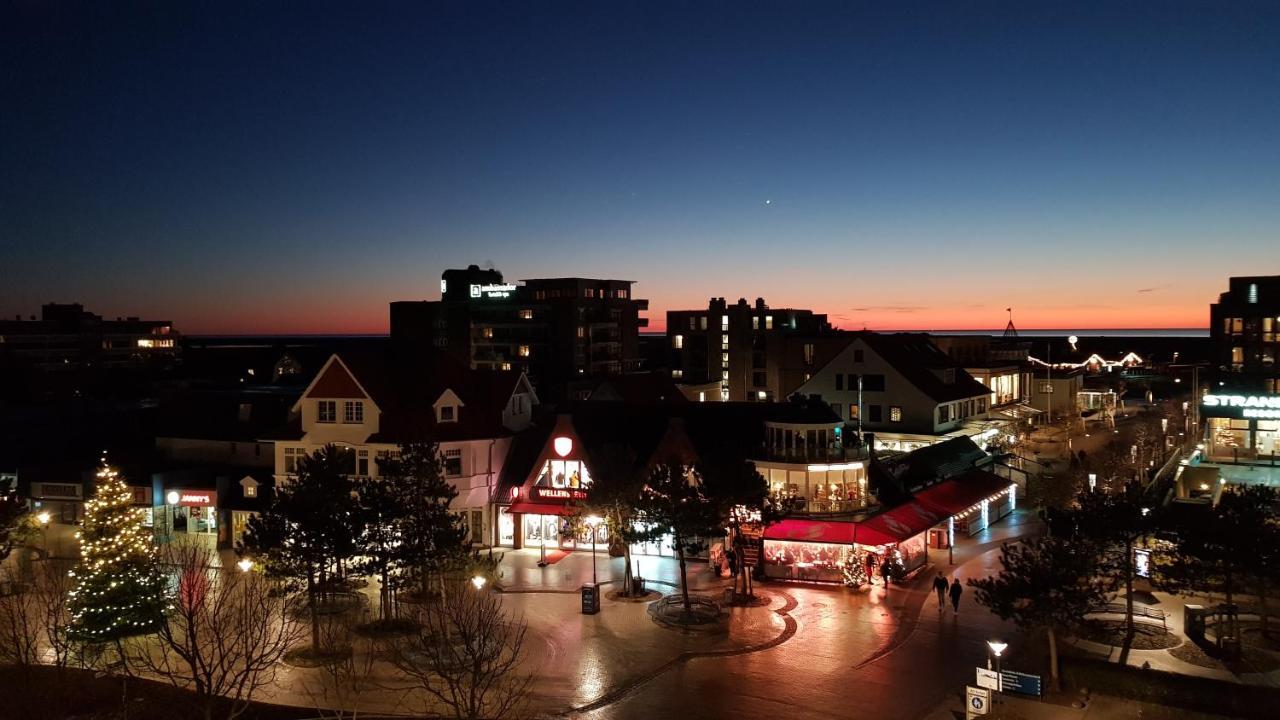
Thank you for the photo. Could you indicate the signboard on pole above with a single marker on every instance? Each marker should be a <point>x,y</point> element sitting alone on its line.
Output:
<point>750,555</point>
<point>977,702</point>
<point>988,679</point>
<point>1021,683</point>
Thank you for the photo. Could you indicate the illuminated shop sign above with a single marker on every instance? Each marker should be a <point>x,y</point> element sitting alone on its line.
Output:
<point>1241,406</point>
<point>191,498</point>
<point>560,493</point>
<point>492,291</point>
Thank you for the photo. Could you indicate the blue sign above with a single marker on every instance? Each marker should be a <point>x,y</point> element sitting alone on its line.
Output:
<point>1021,683</point>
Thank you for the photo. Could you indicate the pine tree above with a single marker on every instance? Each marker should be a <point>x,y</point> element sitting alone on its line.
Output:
<point>120,590</point>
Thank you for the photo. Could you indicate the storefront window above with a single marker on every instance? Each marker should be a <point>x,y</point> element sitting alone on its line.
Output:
<point>506,527</point>
<point>1229,438</point>
<point>1267,439</point>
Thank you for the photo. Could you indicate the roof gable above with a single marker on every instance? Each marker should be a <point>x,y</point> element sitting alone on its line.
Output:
<point>335,380</point>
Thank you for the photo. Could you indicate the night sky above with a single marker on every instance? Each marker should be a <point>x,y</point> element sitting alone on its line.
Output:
<point>293,167</point>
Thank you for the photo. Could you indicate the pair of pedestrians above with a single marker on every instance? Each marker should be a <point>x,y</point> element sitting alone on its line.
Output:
<point>943,590</point>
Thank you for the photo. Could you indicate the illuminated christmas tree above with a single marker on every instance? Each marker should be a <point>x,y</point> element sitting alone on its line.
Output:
<point>854,568</point>
<point>120,590</point>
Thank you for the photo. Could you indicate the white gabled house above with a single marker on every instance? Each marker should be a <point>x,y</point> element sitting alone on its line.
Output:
<point>370,402</point>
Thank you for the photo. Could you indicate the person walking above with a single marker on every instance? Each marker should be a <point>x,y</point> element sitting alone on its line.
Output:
<point>885,571</point>
<point>940,587</point>
<point>955,595</point>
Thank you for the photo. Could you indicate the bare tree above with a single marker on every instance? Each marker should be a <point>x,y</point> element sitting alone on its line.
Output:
<point>53,587</point>
<point>337,687</point>
<point>20,626</point>
<point>467,655</point>
<point>223,637</point>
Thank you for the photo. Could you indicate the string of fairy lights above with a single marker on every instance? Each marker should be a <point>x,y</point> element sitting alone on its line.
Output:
<point>119,589</point>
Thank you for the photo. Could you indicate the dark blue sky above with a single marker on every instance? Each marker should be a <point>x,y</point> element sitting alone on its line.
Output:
<point>295,166</point>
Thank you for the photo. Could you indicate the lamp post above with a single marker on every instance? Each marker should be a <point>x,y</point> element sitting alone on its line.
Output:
<point>997,648</point>
<point>245,565</point>
<point>593,522</point>
<point>43,517</point>
<point>478,582</point>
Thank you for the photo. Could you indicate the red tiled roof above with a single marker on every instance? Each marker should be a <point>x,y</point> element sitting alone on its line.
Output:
<point>962,492</point>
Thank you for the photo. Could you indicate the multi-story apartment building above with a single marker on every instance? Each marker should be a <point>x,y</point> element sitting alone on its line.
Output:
<point>754,352</point>
<point>1245,329</point>
<point>553,329</point>
<point>67,336</point>
<point>371,402</point>
<point>1242,408</point>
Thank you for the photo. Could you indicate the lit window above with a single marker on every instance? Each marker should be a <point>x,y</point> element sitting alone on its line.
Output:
<point>724,322</point>
<point>292,456</point>
<point>582,331</point>
<point>702,322</point>
<point>250,491</point>
<point>1253,293</point>
<point>808,353</point>
<point>589,292</point>
<point>895,413</point>
<point>353,411</point>
<point>452,462</point>
<point>487,333</point>
<point>724,342</point>
<point>724,359</point>
<point>623,294</point>
<point>326,411</point>
<point>526,314</point>
<point>677,341</point>
<point>768,322</point>
<point>524,351</point>
<point>755,323</point>
<point>724,376</point>
<point>506,366</point>
<point>677,373</point>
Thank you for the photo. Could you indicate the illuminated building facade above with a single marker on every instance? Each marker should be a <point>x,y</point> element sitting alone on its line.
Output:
<point>745,352</point>
<point>553,329</point>
<point>66,336</point>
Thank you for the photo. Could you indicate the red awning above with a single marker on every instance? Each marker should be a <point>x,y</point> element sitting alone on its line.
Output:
<point>903,521</point>
<point>836,532</point>
<point>954,496</point>
<point>539,508</point>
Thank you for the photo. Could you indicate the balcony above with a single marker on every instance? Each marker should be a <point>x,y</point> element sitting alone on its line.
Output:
<point>815,455</point>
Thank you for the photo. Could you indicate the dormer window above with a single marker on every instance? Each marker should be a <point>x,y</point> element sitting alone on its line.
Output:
<point>249,486</point>
<point>448,413</point>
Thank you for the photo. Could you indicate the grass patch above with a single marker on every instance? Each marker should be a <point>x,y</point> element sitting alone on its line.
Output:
<point>1198,694</point>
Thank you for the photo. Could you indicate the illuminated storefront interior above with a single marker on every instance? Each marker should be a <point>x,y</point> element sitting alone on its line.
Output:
<point>837,487</point>
<point>1234,439</point>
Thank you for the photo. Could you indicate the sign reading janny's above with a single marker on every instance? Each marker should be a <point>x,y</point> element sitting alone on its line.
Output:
<point>1241,406</point>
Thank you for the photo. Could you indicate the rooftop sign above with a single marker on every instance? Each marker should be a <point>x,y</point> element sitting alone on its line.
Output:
<point>492,291</point>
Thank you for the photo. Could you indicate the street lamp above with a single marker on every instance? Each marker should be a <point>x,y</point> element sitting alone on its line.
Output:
<point>43,517</point>
<point>593,522</point>
<point>478,582</point>
<point>245,565</point>
<point>997,647</point>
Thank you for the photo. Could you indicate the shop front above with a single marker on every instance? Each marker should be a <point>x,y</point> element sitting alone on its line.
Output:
<point>848,552</point>
<point>187,512</point>
<point>1241,428</point>
<point>969,503</point>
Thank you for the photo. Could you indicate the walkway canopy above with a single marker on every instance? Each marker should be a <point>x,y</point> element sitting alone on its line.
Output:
<point>957,494</point>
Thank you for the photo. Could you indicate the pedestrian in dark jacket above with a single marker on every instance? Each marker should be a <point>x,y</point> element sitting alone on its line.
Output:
<point>884,573</point>
<point>940,587</point>
<point>955,595</point>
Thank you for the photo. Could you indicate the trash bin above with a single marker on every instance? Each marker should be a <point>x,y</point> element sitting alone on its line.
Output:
<point>590,599</point>
<point>728,596</point>
<point>637,586</point>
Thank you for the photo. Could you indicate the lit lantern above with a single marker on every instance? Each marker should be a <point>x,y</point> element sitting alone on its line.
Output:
<point>172,497</point>
<point>515,492</point>
<point>563,446</point>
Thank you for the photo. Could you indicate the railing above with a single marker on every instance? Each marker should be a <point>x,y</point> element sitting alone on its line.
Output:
<point>811,455</point>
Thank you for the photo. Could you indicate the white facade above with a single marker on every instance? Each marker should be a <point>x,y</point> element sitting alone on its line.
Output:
<point>349,417</point>
<point>888,400</point>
